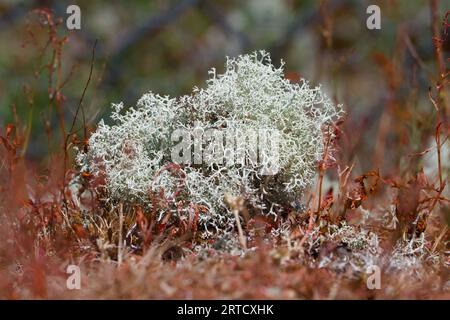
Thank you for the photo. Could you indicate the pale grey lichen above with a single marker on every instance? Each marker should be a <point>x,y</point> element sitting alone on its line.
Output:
<point>250,94</point>
<point>354,250</point>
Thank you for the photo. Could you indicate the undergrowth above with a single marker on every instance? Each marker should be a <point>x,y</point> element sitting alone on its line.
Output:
<point>133,238</point>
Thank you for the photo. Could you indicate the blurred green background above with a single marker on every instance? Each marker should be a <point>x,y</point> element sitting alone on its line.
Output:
<point>380,76</point>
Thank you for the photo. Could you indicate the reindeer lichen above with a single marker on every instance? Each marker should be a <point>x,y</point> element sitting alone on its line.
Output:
<point>133,153</point>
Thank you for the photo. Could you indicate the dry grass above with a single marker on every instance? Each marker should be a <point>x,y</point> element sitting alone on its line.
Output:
<point>321,251</point>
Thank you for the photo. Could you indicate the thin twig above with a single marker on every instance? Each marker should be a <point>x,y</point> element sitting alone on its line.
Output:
<point>435,23</point>
<point>439,238</point>
<point>80,106</point>
<point>119,247</point>
<point>319,201</point>
<point>438,147</point>
<point>242,238</point>
<point>237,205</point>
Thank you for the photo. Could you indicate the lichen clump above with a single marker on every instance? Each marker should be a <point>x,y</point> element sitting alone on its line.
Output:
<point>134,153</point>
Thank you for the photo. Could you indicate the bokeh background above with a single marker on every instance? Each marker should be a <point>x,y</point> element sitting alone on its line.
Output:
<point>382,77</point>
<point>56,84</point>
